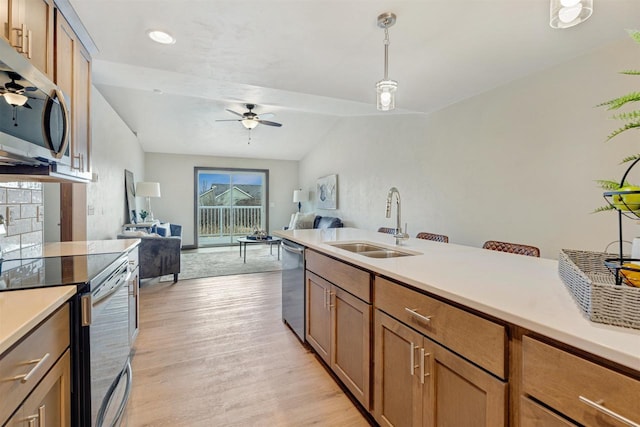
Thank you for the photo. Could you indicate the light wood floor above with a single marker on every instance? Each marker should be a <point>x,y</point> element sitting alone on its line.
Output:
<point>214,352</point>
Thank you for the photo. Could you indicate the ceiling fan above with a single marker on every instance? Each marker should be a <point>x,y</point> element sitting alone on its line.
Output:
<point>14,93</point>
<point>249,119</point>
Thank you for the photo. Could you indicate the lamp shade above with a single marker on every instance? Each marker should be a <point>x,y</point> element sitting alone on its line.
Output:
<point>148,189</point>
<point>300,196</point>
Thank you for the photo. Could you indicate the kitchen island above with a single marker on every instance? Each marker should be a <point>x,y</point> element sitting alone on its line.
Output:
<point>517,304</point>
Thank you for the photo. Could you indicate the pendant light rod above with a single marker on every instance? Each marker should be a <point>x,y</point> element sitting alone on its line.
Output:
<point>386,88</point>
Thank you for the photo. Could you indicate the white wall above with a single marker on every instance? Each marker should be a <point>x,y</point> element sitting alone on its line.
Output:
<point>517,163</point>
<point>175,173</point>
<point>114,149</point>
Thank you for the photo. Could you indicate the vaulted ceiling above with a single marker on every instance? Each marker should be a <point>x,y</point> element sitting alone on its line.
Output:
<point>313,62</point>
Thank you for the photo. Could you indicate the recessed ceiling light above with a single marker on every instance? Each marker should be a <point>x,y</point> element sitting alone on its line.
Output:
<point>161,37</point>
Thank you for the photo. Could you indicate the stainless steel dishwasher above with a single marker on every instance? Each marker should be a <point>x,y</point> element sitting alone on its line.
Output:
<point>293,287</point>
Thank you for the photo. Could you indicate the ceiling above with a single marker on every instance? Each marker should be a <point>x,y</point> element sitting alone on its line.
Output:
<point>313,62</point>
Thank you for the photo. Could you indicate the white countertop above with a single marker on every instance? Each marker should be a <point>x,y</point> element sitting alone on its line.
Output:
<point>88,247</point>
<point>525,291</point>
<point>21,311</point>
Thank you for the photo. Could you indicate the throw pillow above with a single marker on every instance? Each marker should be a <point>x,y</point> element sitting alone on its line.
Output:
<point>292,221</point>
<point>164,230</point>
<point>303,221</point>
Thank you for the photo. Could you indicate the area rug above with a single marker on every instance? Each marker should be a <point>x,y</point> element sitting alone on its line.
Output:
<point>225,262</point>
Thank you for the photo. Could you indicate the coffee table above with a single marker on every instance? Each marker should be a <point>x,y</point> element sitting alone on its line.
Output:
<point>243,241</point>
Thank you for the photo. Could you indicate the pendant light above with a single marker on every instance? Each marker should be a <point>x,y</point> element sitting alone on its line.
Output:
<point>386,88</point>
<point>567,13</point>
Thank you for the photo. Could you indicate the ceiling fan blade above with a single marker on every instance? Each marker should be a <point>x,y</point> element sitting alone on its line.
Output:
<point>234,112</point>
<point>26,105</point>
<point>268,123</point>
<point>229,120</point>
<point>265,116</point>
<point>30,88</point>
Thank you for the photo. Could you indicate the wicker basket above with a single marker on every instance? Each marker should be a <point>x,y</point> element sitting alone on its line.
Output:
<point>594,288</point>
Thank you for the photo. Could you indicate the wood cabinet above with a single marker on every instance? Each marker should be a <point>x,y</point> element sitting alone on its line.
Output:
<point>421,383</point>
<point>581,390</point>
<point>48,405</point>
<point>73,76</point>
<point>38,369</point>
<point>338,324</point>
<point>28,26</point>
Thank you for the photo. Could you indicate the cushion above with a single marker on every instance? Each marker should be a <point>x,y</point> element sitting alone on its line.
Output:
<point>302,221</point>
<point>135,233</point>
<point>164,230</point>
<point>327,222</point>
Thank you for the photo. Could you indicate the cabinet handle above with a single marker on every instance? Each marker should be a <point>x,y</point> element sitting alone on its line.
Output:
<point>74,157</point>
<point>412,366</point>
<point>422,366</point>
<point>598,405</point>
<point>39,362</point>
<point>41,414</point>
<point>19,41</point>
<point>424,373</point>
<point>28,52</point>
<point>414,312</point>
<point>31,419</point>
<point>330,294</point>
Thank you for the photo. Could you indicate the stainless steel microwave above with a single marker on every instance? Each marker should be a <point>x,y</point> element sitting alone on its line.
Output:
<point>35,121</point>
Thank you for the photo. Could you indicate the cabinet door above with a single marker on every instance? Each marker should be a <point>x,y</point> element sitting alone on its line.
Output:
<point>397,386</point>
<point>350,358</point>
<point>31,32</point>
<point>81,143</point>
<point>458,393</point>
<point>4,19</point>
<point>318,322</point>
<point>49,404</point>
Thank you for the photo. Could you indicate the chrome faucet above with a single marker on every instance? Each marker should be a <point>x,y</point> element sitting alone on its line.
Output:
<point>399,234</point>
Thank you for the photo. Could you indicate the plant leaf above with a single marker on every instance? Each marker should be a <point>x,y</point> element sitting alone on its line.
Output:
<point>631,115</point>
<point>635,34</point>
<point>630,72</point>
<point>630,158</point>
<point>610,185</point>
<point>622,129</point>
<point>603,209</point>
<point>616,103</point>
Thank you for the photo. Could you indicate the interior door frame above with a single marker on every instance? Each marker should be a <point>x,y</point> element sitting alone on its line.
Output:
<point>196,172</point>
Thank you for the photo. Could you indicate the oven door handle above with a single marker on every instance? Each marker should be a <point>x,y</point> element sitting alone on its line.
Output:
<point>121,282</point>
<point>288,248</point>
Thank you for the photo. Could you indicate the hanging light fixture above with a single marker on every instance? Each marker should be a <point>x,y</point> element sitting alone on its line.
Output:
<point>567,13</point>
<point>385,88</point>
<point>249,123</point>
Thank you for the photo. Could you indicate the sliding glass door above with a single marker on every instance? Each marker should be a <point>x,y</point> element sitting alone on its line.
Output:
<point>229,203</point>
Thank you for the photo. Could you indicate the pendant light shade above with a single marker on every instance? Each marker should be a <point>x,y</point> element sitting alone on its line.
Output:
<point>567,13</point>
<point>386,88</point>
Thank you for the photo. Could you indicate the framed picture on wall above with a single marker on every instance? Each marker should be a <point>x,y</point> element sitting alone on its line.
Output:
<point>327,192</point>
<point>130,197</point>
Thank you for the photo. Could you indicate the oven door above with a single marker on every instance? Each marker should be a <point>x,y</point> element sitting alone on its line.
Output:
<point>109,349</point>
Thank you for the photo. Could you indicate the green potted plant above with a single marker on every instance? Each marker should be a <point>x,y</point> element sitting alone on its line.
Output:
<point>143,215</point>
<point>631,119</point>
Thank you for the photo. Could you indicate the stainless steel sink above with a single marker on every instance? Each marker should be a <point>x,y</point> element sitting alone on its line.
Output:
<point>370,250</point>
<point>385,254</point>
<point>357,247</point>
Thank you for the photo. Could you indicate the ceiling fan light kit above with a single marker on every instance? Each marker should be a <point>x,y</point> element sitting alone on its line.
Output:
<point>568,13</point>
<point>386,88</point>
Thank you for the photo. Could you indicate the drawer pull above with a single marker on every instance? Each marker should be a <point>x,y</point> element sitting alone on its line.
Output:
<point>39,362</point>
<point>597,405</point>
<point>412,366</point>
<point>422,366</point>
<point>426,319</point>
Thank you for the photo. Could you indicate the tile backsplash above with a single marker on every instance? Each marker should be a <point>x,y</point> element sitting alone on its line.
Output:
<point>22,207</point>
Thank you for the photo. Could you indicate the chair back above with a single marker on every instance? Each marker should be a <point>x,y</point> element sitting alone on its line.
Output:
<point>513,248</point>
<point>431,236</point>
<point>387,230</point>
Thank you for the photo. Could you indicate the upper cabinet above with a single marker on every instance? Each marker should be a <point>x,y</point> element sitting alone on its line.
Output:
<point>28,26</point>
<point>73,76</point>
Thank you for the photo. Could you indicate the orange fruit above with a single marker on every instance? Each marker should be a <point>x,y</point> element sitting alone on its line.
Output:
<point>631,277</point>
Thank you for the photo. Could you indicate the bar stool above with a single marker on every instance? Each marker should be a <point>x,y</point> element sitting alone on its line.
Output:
<point>431,236</point>
<point>513,248</point>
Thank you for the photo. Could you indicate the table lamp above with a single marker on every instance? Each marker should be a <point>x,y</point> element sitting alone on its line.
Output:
<point>299,196</point>
<point>148,190</point>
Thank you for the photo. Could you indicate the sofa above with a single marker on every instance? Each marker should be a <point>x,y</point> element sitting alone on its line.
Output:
<point>158,255</point>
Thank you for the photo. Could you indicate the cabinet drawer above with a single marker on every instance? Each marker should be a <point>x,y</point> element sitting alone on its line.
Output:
<point>349,278</point>
<point>563,381</point>
<point>30,357</point>
<point>534,415</point>
<point>479,340</point>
